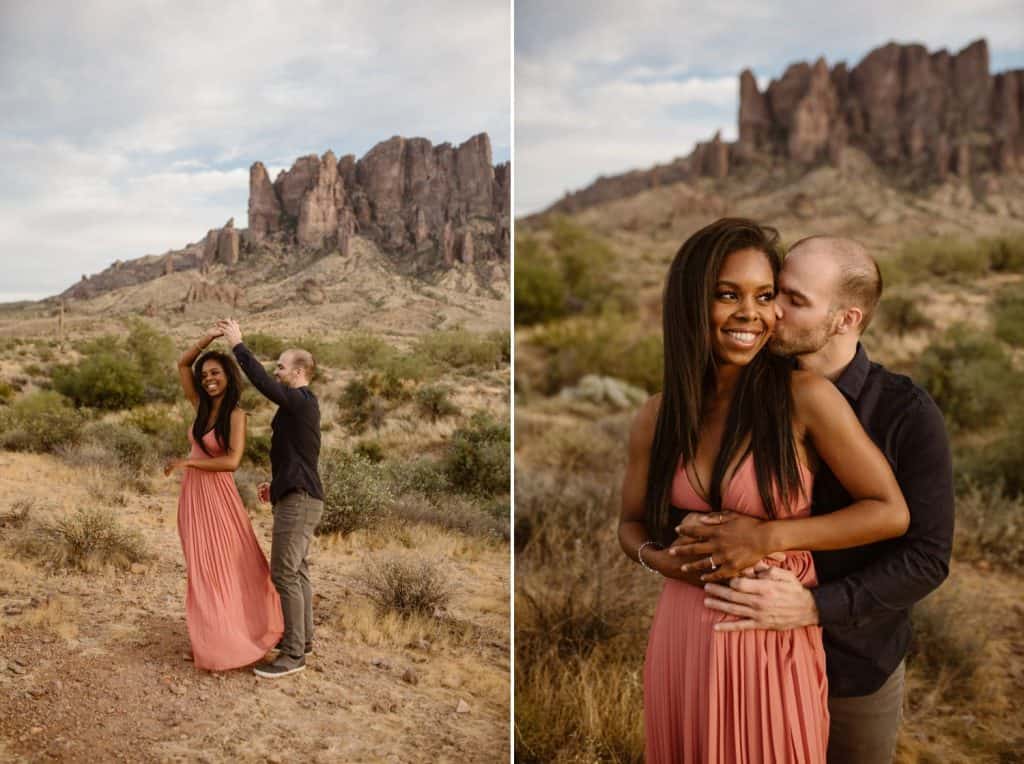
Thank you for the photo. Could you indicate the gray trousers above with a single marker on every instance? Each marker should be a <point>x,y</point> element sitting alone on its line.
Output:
<point>295,517</point>
<point>864,729</point>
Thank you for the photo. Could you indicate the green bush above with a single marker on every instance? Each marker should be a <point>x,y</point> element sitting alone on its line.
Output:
<point>602,345</point>
<point>434,401</point>
<point>1008,314</point>
<point>6,393</point>
<point>1005,253</point>
<point>970,376</point>
<point>371,450</point>
<point>154,353</point>
<point>257,449</point>
<point>41,422</point>
<point>265,345</point>
<point>422,475</point>
<point>901,314</point>
<point>356,492</point>
<point>564,274</point>
<point>132,450</point>
<point>167,427</point>
<point>477,457</point>
<point>461,349</point>
<point>107,380</point>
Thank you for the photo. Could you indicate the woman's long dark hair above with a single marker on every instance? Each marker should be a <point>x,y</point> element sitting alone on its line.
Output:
<point>760,413</point>
<point>232,394</point>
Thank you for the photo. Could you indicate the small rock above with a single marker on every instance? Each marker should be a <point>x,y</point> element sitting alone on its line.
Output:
<point>410,676</point>
<point>35,730</point>
<point>318,668</point>
<point>385,706</point>
<point>57,685</point>
<point>138,568</point>
<point>462,708</point>
<point>176,689</point>
<point>36,692</point>
<point>21,661</point>
<point>380,663</point>
<point>16,669</point>
<point>12,610</point>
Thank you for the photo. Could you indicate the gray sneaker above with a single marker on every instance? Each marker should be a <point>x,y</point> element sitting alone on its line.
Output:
<point>283,665</point>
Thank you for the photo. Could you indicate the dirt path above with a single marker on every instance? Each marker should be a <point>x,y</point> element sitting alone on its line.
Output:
<point>94,668</point>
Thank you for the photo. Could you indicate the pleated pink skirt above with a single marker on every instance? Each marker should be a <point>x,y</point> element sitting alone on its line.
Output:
<point>734,697</point>
<point>232,609</point>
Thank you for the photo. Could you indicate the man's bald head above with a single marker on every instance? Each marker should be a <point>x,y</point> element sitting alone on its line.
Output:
<point>295,368</point>
<point>858,282</point>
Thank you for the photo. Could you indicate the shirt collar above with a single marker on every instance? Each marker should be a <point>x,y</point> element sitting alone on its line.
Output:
<point>855,375</point>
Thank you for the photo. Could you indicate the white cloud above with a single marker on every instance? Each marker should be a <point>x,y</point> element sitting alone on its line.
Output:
<point>604,86</point>
<point>128,129</point>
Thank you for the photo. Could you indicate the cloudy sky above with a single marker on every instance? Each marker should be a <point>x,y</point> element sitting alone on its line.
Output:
<point>604,86</point>
<point>128,129</point>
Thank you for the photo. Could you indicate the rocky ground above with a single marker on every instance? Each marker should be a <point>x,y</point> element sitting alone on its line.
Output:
<point>96,666</point>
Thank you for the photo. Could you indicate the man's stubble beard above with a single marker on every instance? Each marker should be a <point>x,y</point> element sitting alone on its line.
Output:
<point>805,342</point>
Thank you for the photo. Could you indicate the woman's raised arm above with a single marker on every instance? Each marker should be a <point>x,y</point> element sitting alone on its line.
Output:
<point>185,365</point>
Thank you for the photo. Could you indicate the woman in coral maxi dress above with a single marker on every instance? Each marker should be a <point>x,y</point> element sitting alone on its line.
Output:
<point>232,609</point>
<point>736,428</point>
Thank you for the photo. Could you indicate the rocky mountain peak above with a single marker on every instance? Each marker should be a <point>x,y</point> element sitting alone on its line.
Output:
<point>923,115</point>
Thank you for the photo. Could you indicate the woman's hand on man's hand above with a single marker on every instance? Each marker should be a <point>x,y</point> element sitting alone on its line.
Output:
<point>728,543</point>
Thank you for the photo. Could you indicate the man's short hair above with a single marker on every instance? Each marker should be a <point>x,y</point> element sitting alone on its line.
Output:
<point>304,360</point>
<point>860,279</point>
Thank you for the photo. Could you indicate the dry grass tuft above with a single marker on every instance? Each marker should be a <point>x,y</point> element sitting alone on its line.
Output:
<point>406,586</point>
<point>89,540</point>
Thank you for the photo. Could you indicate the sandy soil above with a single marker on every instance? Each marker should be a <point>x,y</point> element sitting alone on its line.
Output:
<point>95,667</point>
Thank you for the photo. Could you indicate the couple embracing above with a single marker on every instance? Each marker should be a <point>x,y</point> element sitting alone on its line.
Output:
<point>797,499</point>
<point>237,608</point>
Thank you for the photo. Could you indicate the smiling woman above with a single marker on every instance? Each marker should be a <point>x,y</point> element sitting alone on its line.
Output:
<point>736,428</point>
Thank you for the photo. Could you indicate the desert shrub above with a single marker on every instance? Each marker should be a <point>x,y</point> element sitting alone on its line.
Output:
<point>461,349</point>
<point>154,353</point>
<point>1005,253</point>
<point>107,380</point>
<point>362,407</point>
<point>257,449</point>
<point>371,450</point>
<point>434,401</point>
<point>942,257</point>
<point>999,462</point>
<point>88,540</point>
<point>387,385</point>
<point>253,400</point>
<point>422,475</point>
<point>477,457</point>
<point>566,273</point>
<point>970,376</point>
<point>356,492</point>
<point>41,421</point>
<point>265,345</point>
<point>366,351</point>
<point>407,587</point>
<point>1008,315</point>
<point>166,427</point>
<point>6,392</point>
<point>34,370</point>
<point>989,526</point>
<point>131,450</point>
<point>602,345</point>
<point>901,314</point>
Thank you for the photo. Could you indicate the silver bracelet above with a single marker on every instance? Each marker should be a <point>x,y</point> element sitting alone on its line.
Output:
<point>640,555</point>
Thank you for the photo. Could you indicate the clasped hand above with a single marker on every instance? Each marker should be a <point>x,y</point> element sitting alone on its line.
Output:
<point>729,543</point>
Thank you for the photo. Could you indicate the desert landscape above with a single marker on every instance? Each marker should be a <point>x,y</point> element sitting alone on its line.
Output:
<point>887,152</point>
<point>393,270</point>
